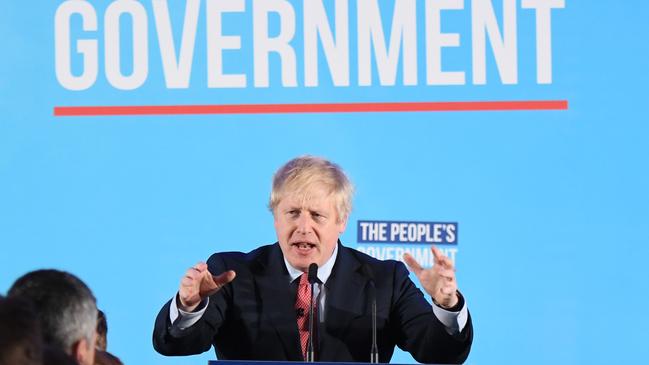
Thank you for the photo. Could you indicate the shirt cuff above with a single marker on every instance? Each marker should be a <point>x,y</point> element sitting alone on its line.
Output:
<point>453,321</point>
<point>181,319</point>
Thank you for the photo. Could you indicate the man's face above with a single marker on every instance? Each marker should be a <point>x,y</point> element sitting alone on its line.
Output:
<point>307,229</point>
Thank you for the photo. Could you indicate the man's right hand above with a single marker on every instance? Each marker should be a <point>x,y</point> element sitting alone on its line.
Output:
<point>198,283</point>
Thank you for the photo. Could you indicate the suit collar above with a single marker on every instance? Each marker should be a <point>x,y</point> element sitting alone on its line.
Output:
<point>346,283</point>
<point>277,300</point>
<point>346,299</point>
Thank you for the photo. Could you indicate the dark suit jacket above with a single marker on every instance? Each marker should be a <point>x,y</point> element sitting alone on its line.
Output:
<point>253,317</point>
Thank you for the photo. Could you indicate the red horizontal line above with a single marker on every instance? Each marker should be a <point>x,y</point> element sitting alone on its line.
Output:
<point>68,111</point>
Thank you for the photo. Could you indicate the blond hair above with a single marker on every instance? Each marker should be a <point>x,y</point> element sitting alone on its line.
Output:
<point>302,173</point>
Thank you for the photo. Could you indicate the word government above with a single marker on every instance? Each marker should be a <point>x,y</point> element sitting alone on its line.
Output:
<point>423,255</point>
<point>323,29</point>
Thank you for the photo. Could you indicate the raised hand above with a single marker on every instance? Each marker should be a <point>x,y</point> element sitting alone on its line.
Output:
<point>439,281</point>
<point>198,283</point>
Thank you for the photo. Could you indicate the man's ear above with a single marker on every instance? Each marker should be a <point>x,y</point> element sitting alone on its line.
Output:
<point>83,352</point>
<point>342,224</point>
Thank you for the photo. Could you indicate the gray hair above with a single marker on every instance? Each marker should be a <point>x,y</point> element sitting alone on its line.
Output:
<point>65,305</point>
<point>300,174</point>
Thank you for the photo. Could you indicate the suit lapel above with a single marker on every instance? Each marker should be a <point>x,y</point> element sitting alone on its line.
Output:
<point>346,299</point>
<point>278,302</point>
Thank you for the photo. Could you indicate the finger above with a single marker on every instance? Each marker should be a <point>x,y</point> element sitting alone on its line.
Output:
<point>437,254</point>
<point>224,278</point>
<point>413,265</point>
<point>188,281</point>
<point>196,271</point>
<point>448,263</point>
<point>192,275</point>
<point>200,267</point>
<point>446,273</point>
<point>441,259</point>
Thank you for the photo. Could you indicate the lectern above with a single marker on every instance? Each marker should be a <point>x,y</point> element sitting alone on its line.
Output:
<point>255,362</point>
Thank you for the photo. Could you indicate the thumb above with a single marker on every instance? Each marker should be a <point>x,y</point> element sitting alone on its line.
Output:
<point>224,278</point>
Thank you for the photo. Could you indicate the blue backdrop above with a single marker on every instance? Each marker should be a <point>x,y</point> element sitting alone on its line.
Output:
<point>551,206</point>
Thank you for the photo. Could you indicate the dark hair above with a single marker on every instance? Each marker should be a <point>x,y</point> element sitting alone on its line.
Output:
<point>20,332</point>
<point>56,356</point>
<point>102,330</point>
<point>65,306</point>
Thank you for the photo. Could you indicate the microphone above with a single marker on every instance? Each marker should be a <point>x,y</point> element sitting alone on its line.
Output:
<point>313,278</point>
<point>374,351</point>
<point>313,273</point>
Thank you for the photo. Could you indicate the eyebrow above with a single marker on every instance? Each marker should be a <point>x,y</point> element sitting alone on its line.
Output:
<point>292,208</point>
<point>318,211</point>
<point>311,211</point>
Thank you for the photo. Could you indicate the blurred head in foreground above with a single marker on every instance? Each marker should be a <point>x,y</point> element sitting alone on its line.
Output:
<point>66,309</point>
<point>20,333</point>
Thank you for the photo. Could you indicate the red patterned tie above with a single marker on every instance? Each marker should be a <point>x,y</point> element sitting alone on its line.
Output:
<point>302,301</point>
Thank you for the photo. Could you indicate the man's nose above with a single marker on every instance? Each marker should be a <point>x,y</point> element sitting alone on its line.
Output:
<point>304,224</point>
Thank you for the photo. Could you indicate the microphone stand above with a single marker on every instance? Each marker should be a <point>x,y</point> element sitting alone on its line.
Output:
<point>313,277</point>
<point>374,351</point>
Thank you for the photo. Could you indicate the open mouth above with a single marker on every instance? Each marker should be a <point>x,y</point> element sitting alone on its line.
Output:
<point>303,246</point>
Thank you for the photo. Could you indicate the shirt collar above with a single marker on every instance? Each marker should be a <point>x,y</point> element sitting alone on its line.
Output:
<point>323,271</point>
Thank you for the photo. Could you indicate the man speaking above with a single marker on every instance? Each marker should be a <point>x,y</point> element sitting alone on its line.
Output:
<point>262,305</point>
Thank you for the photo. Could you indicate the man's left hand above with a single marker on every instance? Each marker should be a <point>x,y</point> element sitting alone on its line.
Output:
<point>439,281</point>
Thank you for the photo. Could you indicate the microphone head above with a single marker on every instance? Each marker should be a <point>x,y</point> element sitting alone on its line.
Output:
<point>313,273</point>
